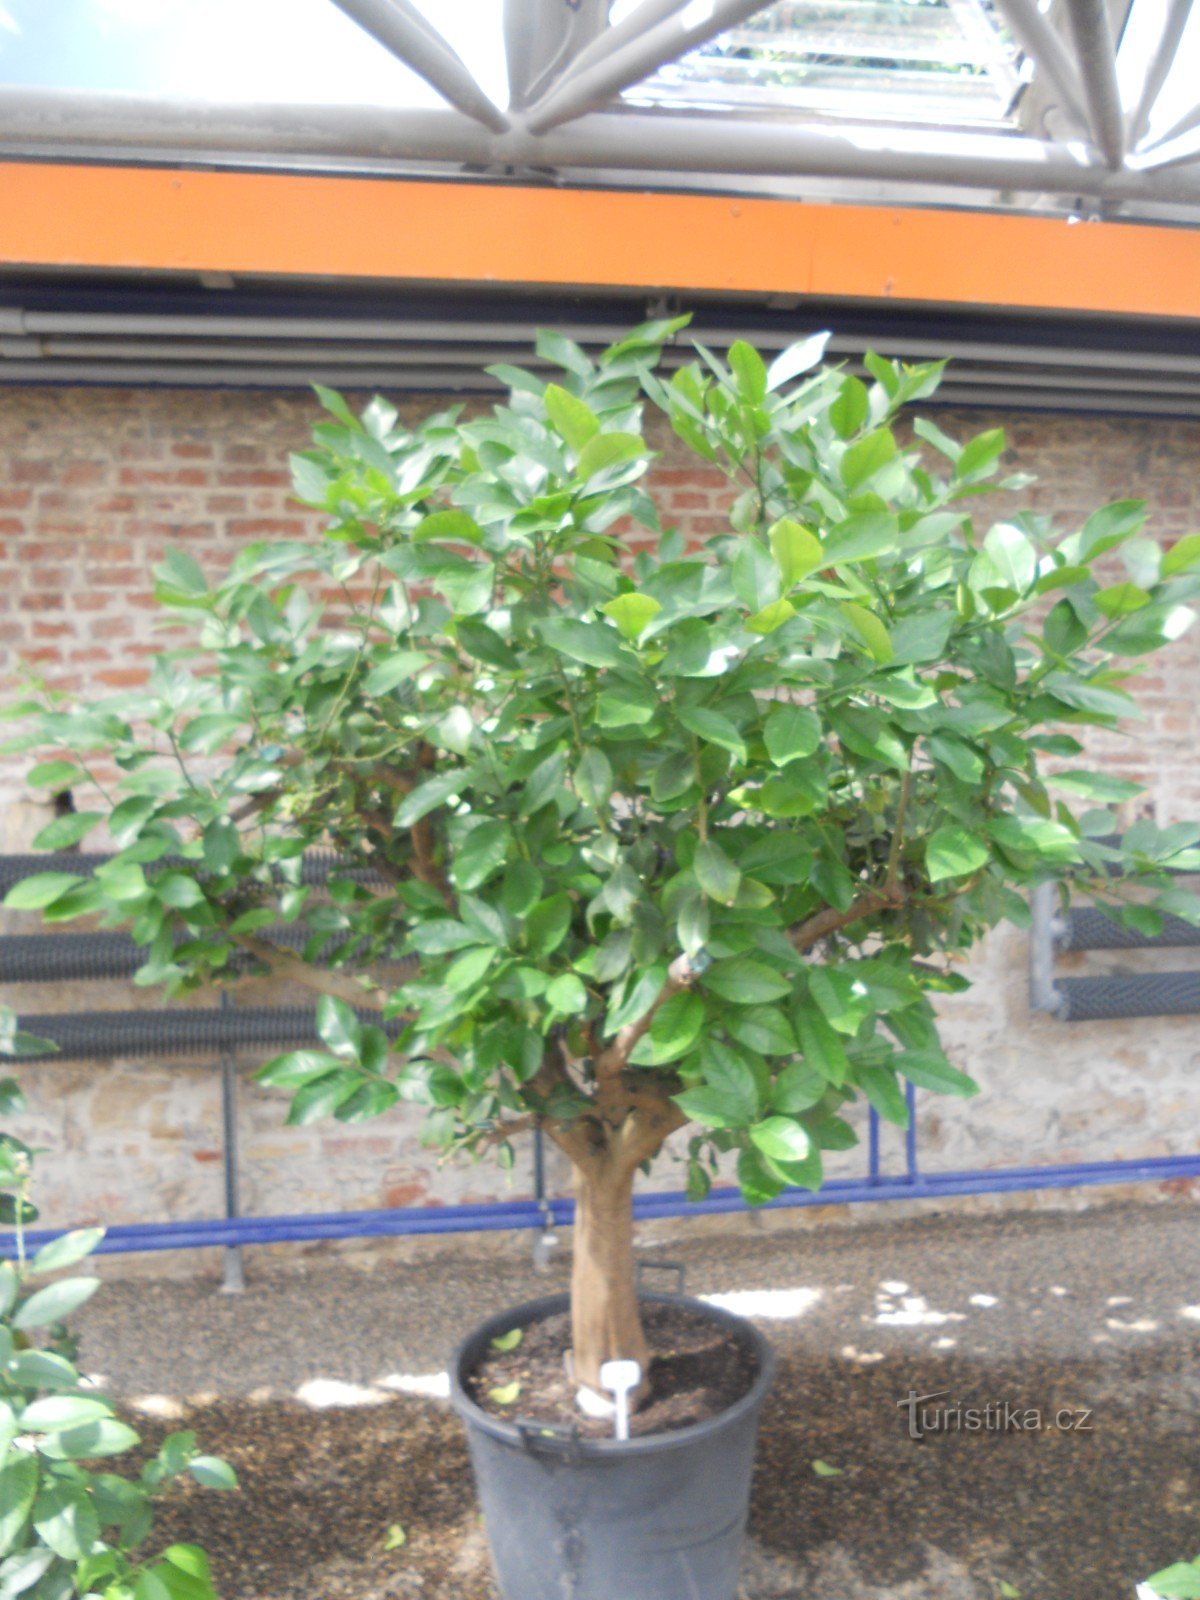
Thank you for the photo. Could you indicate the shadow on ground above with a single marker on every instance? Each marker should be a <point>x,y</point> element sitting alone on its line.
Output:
<point>1056,1513</point>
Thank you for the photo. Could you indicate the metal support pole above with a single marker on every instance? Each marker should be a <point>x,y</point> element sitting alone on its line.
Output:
<point>399,27</point>
<point>546,1242</point>
<point>141,129</point>
<point>1043,996</point>
<point>1039,40</point>
<point>591,86</point>
<point>635,26</point>
<point>910,1133</point>
<point>1097,52</point>
<point>1159,65</point>
<point>233,1277</point>
<point>872,1145</point>
<point>544,38</point>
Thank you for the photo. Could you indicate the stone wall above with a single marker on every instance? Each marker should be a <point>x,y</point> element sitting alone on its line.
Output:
<point>94,483</point>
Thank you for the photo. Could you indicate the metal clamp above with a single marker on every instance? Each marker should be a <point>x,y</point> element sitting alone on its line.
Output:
<point>676,1268</point>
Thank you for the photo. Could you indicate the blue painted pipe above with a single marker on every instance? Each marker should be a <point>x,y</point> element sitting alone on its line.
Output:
<point>516,1214</point>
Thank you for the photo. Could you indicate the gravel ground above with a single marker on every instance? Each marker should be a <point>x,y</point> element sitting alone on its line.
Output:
<point>301,1381</point>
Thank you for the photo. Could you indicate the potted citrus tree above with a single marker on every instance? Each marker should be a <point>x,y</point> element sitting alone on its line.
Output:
<point>684,844</point>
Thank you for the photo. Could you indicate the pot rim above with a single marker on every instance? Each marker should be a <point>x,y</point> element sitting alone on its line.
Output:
<point>531,1311</point>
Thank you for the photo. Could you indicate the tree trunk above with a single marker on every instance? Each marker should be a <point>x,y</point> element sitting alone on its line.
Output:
<point>606,1323</point>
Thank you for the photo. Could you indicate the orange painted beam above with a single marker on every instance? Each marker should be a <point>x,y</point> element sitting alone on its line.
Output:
<point>149,218</point>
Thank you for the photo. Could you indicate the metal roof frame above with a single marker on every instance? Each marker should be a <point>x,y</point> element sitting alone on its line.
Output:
<point>569,63</point>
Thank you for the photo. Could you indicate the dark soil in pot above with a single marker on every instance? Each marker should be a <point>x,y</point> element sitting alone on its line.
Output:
<point>699,1370</point>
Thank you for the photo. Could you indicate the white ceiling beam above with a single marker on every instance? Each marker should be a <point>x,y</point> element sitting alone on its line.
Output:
<point>634,25</point>
<point>57,122</point>
<point>401,29</point>
<point>1157,68</point>
<point>1091,28</point>
<point>542,38</point>
<point>622,64</point>
<point>1034,33</point>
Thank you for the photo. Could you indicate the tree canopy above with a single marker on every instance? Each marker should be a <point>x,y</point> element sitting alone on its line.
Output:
<point>687,838</point>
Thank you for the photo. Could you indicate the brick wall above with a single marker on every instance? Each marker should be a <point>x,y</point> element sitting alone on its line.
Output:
<point>94,484</point>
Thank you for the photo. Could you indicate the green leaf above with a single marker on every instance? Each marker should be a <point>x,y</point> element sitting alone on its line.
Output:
<point>66,1250</point>
<point>567,995</point>
<point>450,524</point>
<point>717,875</point>
<point>870,455</point>
<point>212,1473</point>
<point>589,642</point>
<point>885,1094</point>
<point>929,1069</point>
<point>796,549</point>
<point>1149,629</point>
<point>750,371</point>
<point>798,1088</point>
<point>482,853</point>
<point>398,667</point>
<point>609,450</point>
<point>714,728</point>
<point>178,890</point>
<point>754,575</point>
<point>869,629</point>
<point>505,1394</point>
<point>781,1139</point>
<point>1012,557</point>
<point>851,408</point>
<point>1095,785</point>
<point>676,1027</point>
<point>822,1469</point>
<point>296,1068</point>
<point>866,734</point>
<point>338,1027</point>
<point>395,1538</point>
<point>746,982</point>
<point>977,458</point>
<point>41,890</point>
<point>1182,555</point>
<point>509,1340</point>
<point>1109,526</point>
<point>1121,599</point>
<point>66,1520</point>
<point>823,1049</point>
<point>791,733</point>
<point>547,924</point>
<point>1178,1582</point>
<point>53,775</point>
<point>771,617</point>
<point>322,1097</point>
<point>54,1302</point>
<point>633,613</point>
<point>431,794</point>
<point>59,1411</point>
<point>18,1486</point>
<point>863,537</point>
<point>1089,697</point>
<point>573,418</point>
<point>594,777</point>
<point>728,1098</point>
<point>797,358</point>
<point>64,833</point>
<point>952,852</point>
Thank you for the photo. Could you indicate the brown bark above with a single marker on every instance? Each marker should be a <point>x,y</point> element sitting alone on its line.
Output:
<point>606,1322</point>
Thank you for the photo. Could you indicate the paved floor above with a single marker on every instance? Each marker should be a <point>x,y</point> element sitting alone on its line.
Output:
<point>317,1380</point>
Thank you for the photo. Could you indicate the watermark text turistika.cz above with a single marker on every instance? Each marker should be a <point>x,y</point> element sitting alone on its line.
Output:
<point>936,1413</point>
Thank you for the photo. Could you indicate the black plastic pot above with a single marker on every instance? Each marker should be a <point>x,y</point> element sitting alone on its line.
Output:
<point>661,1517</point>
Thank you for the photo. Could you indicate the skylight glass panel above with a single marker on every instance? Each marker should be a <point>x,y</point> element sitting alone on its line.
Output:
<point>917,60</point>
<point>272,51</point>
